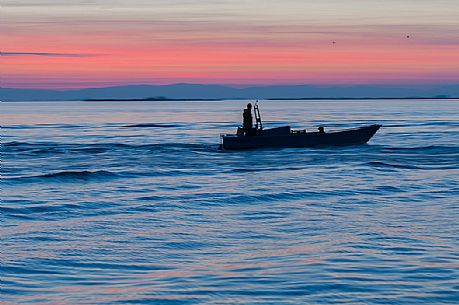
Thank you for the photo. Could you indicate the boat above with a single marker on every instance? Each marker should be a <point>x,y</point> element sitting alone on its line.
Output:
<point>285,137</point>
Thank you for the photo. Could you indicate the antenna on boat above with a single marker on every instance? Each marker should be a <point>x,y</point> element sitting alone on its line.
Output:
<point>256,111</point>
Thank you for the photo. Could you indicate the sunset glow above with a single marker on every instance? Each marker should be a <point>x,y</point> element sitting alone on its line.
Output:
<point>47,44</point>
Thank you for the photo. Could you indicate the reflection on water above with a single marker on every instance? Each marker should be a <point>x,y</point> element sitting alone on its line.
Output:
<point>116,203</point>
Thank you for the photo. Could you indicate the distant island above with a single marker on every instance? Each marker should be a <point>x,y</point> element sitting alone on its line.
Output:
<point>162,99</point>
<point>193,92</point>
<point>153,99</point>
<point>441,97</point>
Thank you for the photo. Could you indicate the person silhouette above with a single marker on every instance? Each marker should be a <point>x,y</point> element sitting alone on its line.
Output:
<point>247,123</point>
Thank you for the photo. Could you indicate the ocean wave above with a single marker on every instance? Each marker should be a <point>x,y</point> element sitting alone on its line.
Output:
<point>32,210</point>
<point>105,175</point>
<point>421,124</point>
<point>78,174</point>
<point>63,176</point>
<point>157,125</point>
<point>424,149</point>
<point>388,165</point>
<point>262,169</point>
<point>56,147</point>
<point>14,144</point>
<point>39,126</point>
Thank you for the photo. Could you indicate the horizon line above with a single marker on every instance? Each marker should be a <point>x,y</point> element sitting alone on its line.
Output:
<point>238,86</point>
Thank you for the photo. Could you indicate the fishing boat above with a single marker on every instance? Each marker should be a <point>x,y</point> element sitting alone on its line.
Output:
<point>285,137</point>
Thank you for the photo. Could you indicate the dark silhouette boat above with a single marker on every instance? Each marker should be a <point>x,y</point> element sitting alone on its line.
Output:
<point>285,137</point>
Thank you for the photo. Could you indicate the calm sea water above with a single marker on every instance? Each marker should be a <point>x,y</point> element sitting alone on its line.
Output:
<point>96,211</point>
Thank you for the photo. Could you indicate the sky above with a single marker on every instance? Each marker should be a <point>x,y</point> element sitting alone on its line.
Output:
<point>75,44</point>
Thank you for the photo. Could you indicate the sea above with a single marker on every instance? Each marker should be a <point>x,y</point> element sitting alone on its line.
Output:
<point>133,203</point>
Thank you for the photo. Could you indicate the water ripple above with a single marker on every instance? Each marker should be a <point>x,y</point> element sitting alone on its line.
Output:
<point>98,208</point>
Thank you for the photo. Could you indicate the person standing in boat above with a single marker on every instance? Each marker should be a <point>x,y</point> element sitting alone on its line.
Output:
<point>247,123</point>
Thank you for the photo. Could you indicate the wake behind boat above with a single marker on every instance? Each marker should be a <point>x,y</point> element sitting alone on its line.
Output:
<point>252,137</point>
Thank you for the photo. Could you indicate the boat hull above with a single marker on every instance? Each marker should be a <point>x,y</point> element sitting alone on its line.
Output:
<point>355,136</point>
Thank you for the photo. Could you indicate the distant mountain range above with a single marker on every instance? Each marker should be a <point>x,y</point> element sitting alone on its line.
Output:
<point>197,91</point>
